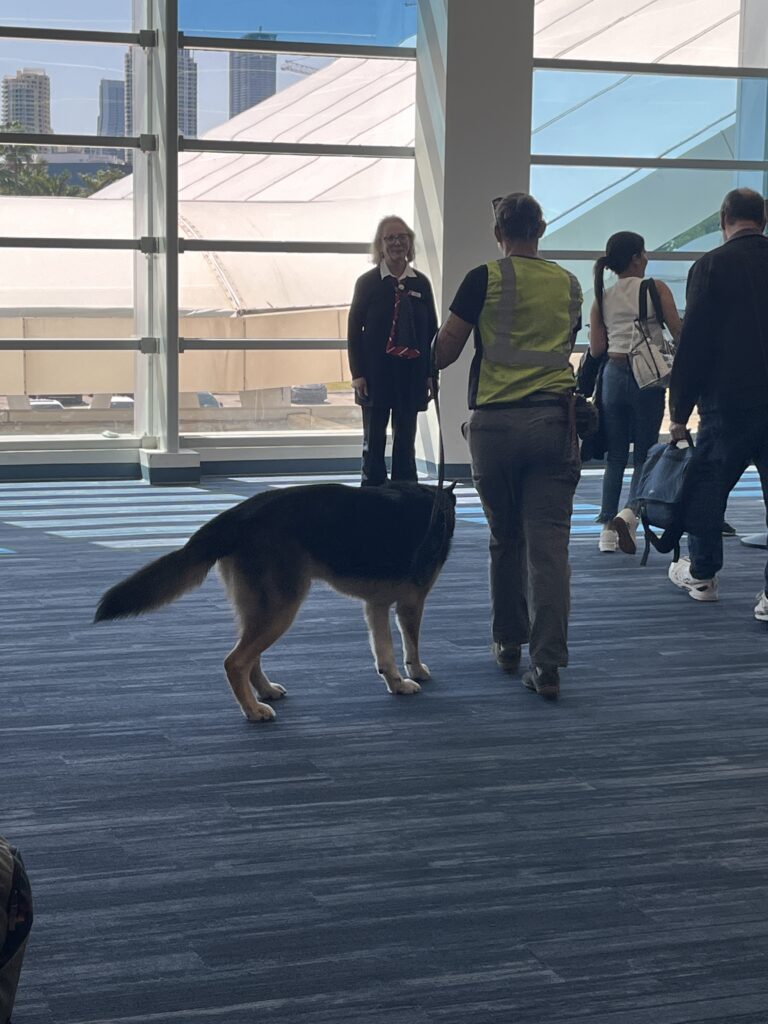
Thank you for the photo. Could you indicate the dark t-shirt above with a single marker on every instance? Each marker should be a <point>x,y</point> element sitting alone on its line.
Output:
<point>470,298</point>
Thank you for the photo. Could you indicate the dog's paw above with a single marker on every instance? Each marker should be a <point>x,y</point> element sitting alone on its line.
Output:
<point>418,670</point>
<point>260,713</point>
<point>403,686</point>
<point>274,692</point>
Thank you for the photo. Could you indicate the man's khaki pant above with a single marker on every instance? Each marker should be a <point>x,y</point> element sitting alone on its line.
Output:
<point>525,467</point>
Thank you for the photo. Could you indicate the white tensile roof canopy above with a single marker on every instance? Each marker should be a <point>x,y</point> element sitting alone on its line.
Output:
<point>359,101</point>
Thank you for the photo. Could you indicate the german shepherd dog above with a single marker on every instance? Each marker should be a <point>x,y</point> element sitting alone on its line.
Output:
<point>385,545</point>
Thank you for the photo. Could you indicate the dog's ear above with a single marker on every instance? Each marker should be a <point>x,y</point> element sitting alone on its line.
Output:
<point>452,486</point>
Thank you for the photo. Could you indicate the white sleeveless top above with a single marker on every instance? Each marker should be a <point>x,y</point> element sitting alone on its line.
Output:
<point>621,306</point>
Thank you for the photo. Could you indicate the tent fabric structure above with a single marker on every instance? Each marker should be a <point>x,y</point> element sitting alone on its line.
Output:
<point>357,101</point>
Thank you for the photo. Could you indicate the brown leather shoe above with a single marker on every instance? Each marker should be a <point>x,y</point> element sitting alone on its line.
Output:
<point>507,655</point>
<point>544,681</point>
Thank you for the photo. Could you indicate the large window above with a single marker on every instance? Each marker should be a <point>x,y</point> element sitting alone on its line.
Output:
<point>296,136</point>
<point>289,133</point>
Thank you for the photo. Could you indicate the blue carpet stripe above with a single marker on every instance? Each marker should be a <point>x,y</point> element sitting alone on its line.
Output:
<point>209,509</point>
<point>131,514</point>
<point>132,517</point>
<point>194,520</point>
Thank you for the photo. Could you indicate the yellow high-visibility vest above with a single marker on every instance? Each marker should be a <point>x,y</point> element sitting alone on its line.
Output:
<point>526,330</point>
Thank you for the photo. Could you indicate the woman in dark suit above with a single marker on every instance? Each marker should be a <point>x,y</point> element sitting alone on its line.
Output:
<point>392,321</point>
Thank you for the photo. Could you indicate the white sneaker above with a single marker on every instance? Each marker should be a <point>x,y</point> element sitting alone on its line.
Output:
<point>625,525</point>
<point>699,590</point>
<point>761,608</point>
<point>609,540</point>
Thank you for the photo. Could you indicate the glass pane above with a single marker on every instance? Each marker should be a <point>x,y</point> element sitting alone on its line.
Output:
<point>65,293</point>
<point>267,296</point>
<point>301,407</point>
<point>66,88</point>
<point>75,392</point>
<point>706,32</point>
<point>585,114</point>
<point>61,294</point>
<point>285,198</point>
<point>356,22</point>
<point>673,209</point>
<point>93,15</point>
<point>307,99</point>
<point>36,175</point>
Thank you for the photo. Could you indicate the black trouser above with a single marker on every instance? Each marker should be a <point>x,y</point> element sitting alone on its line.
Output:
<point>375,420</point>
<point>726,444</point>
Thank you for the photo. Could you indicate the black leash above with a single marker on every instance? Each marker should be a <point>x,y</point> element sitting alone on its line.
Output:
<point>434,381</point>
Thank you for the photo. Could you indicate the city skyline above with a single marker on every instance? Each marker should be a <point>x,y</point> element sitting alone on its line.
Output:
<point>76,69</point>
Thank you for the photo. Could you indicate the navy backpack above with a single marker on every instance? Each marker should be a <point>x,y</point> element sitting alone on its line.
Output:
<point>662,494</point>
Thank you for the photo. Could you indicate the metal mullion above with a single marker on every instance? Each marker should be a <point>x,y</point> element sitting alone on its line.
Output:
<point>66,35</point>
<point>295,149</point>
<point>296,49</point>
<point>636,68</point>
<point>651,163</point>
<point>261,344</point>
<point>70,344</point>
<point>593,254</point>
<point>69,243</point>
<point>224,245</point>
<point>90,141</point>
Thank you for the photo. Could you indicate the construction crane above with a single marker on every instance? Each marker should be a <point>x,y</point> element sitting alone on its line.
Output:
<point>297,67</point>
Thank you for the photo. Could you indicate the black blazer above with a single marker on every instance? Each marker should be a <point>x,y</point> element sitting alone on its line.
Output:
<point>392,382</point>
<point>722,358</point>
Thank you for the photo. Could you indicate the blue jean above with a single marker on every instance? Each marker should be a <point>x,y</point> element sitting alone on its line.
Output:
<point>725,445</point>
<point>629,414</point>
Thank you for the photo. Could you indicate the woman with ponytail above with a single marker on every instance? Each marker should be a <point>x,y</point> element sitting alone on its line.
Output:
<point>630,414</point>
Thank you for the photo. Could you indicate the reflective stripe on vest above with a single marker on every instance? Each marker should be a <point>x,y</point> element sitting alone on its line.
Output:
<point>498,322</point>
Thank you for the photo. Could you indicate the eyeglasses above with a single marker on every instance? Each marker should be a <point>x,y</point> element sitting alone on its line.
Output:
<point>391,239</point>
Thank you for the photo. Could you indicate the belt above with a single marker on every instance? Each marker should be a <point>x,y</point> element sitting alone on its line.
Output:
<point>619,357</point>
<point>538,398</point>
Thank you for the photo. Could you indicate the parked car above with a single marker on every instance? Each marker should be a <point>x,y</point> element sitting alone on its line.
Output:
<point>68,400</point>
<point>207,400</point>
<point>309,394</point>
<point>45,403</point>
<point>121,402</point>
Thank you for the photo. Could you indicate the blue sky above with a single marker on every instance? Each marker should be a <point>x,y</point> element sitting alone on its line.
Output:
<point>75,70</point>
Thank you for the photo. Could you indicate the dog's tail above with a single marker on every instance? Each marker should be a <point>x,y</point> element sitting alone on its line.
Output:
<point>167,578</point>
<point>158,583</point>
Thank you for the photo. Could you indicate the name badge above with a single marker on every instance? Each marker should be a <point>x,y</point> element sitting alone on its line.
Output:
<point>416,295</point>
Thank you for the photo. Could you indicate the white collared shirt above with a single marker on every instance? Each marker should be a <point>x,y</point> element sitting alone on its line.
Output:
<point>386,272</point>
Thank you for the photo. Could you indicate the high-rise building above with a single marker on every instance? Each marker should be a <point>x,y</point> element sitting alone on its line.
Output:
<point>111,107</point>
<point>187,83</point>
<point>187,94</point>
<point>252,76</point>
<point>128,93</point>
<point>27,100</point>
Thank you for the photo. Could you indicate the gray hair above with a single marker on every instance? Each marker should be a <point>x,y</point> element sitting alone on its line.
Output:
<point>377,254</point>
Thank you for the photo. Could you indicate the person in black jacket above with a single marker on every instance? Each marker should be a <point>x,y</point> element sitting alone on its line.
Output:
<point>392,322</point>
<point>722,366</point>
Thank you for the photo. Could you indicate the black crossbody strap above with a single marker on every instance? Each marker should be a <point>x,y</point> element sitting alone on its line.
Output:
<point>642,313</point>
<point>656,301</point>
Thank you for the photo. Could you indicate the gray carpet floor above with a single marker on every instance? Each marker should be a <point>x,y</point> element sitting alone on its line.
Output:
<point>470,855</point>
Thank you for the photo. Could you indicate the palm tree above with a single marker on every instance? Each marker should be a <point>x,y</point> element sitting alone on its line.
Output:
<point>16,163</point>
